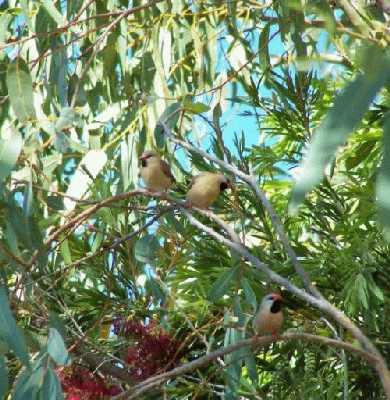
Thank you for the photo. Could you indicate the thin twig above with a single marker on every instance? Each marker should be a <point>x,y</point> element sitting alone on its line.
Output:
<point>103,35</point>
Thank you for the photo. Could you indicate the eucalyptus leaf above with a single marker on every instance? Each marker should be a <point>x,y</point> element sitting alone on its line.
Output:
<point>195,108</point>
<point>9,332</point>
<point>20,90</point>
<point>29,383</point>
<point>347,111</point>
<point>56,348</point>
<point>169,117</point>
<point>147,248</point>
<point>3,377</point>
<point>9,153</point>
<point>66,119</point>
<point>383,182</point>
<point>51,387</point>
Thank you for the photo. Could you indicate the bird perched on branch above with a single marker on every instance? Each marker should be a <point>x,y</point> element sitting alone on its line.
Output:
<point>205,189</point>
<point>269,317</point>
<point>155,172</point>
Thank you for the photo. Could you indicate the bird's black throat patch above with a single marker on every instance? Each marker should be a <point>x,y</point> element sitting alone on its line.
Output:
<point>143,163</point>
<point>223,186</point>
<point>276,306</point>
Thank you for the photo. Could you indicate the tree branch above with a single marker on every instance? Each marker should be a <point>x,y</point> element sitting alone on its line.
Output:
<point>316,299</point>
<point>256,342</point>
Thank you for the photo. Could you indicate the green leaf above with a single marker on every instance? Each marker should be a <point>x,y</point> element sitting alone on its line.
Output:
<point>66,119</point>
<point>65,252</point>
<point>347,111</point>
<point>383,182</point>
<point>147,249</point>
<point>51,387</point>
<point>55,202</point>
<point>169,117</point>
<point>234,363</point>
<point>3,377</point>
<point>222,284</point>
<point>195,108</point>
<point>9,331</point>
<point>361,154</point>
<point>53,12</point>
<point>5,19</point>
<point>56,348</point>
<point>154,287</point>
<point>263,47</point>
<point>250,363</point>
<point>29,382</point>
<point>20,90</point>
<point>56,322</point>
<point>250,295</point>
<point>9,154</point>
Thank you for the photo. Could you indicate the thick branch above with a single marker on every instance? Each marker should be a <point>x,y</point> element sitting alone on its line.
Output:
<point>322,304</point>
<point>251,181</point>
<point>254,342</point>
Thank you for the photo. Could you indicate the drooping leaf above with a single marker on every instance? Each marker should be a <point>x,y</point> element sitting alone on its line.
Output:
<point>347,111</point>
<point>9,331</point>
<point>53,12</point>
<point>9,153</point>
<point>250,363</point>
<point>383,182</point>
<point>263,47</point>
<point>249,294</point>
<point>169,117</point>
<point>147,248</point>
<point>154,287</point>
<point>29,383</point>
<point>195,108</point>
<point>56,348</point>
<point>51,387</point>
<point>222,284</point>
<point>3,377</point>
<point>66,119</point>
<point>20,90</point>
<point>55,202</point>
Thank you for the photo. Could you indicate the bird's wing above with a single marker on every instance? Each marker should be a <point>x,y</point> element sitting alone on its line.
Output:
<point>166,169</point>
<point>196,177</point>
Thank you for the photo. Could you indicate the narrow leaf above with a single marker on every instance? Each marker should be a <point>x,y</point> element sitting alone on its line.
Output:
<point>20,90</point>
<point>9,153</point>
<point>195,108</point>
<point>51,387</point>
<point>147,248</point>
<point>28,384</point>
<point>54,13</point>
<point>250,295</point>
<point>3,377</point>
<point>9,331</point>
<point>383,182</point>
<point>221,285</point>
<point>347,111</point>
<point>56,348</point>
<point>263,47</point>
<point>169,117</point>
<point>66,119</point>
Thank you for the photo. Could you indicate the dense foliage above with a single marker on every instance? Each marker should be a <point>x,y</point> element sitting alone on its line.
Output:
<point>100,296</point>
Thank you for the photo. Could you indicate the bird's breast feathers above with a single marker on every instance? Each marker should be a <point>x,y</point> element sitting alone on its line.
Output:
<point>154,177</point>
<point>266,322</point>
<point>203,193</point>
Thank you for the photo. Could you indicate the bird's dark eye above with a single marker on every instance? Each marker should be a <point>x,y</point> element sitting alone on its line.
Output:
<point>143,163</point>
<point>223,186</point>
